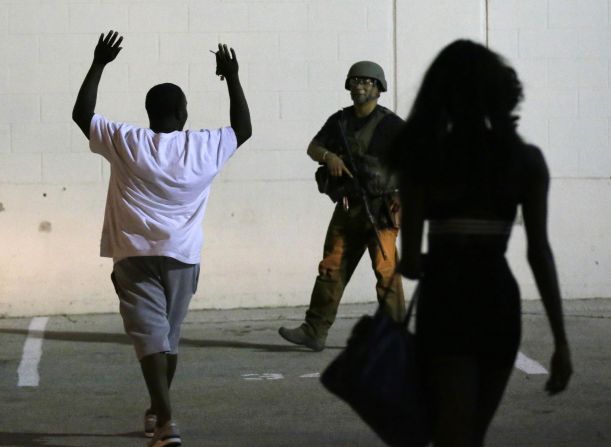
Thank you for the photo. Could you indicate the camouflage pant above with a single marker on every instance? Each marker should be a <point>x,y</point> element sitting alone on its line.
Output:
<point>348,236</point>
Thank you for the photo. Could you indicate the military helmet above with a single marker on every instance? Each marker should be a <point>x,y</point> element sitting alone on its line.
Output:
<point>367,69</point>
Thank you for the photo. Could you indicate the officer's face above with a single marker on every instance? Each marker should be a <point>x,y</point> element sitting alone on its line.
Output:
<point>363,90</point>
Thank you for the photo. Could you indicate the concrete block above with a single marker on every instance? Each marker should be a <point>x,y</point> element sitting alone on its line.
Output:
<point>69,48</point>
<point>380,15</point>
<point>282,135</point>
<point>534,128</point>
<point>144,76</point>
<point>309,46</point>
<point>114,79</point>
<point>579,133</point>
<point>205,110</point>
<point>440,14</point>
<point>338,15</point>
<point>251,46</point>
<point>71,168</point>
<point>595,162</point>
<point>4,108</point>
<point>278,16</point>
<point>376,46</point>
<point>594,103</point>
<point>27,77</point>
<point>5,138</point>
<point>202,77</point>
<point>140,48</point>
<point>406,96</point>
<point>19,49</point>
<point>308,105</point>
<point>99,18</point>
<point>563,162</point>
<point>20,168</point>
<point>4,21</point>
<point>413,60</point>
<point>553,103</point>
<point>159,17</point>
<point>564,43</point>
<point>183,47</point>
<point>265,76</point>
<point>210,17</point>
<point>589,73</point>
<point>570,137</point>
<point>41,137</point>
<point>54,78</point>
<point>121,107</point>
<point>532,73</point>
<point>38,17</point>
<point>78,142</point>
<point>20,109</point>
<point>585,14</point>
<point>4,80</point>
<point>504,42</point>
<point>329,76</point>
<point>57,107</point>
<point>269,166</point>
<point>517,14</point>
<point>264,105</point>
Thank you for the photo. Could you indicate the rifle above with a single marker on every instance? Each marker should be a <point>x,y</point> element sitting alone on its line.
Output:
<point>360,188</point>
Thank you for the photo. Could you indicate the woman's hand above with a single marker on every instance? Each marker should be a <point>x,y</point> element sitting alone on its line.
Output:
<point>561,370</point>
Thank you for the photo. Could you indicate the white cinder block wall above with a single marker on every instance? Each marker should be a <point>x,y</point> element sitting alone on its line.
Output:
<point>266,222</point>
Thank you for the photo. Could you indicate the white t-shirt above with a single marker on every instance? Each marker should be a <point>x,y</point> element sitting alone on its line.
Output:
<point>158,189</point>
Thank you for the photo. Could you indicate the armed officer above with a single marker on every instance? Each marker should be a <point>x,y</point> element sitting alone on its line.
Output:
<point>350,148</point>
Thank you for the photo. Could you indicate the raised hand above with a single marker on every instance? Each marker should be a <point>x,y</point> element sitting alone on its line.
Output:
<point>107,48</point>
<point>226,62</point>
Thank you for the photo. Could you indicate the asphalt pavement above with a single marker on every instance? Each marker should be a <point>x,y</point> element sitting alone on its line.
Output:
<point>239,384</point>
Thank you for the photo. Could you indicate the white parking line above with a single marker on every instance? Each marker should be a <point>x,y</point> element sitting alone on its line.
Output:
<point>32,351</point>
<point>263,376</point>
<point>528,365</point>
<point>310,376</point>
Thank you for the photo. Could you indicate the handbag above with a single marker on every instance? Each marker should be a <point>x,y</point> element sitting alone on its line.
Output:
<point>378,375</point>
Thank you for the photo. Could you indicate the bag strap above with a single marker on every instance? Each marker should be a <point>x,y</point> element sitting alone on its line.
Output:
<point>412,304</point>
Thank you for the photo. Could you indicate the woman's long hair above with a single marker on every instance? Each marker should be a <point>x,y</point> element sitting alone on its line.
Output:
<point>464,108</point>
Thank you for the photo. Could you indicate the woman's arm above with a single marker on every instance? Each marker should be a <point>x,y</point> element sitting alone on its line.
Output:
<point>412,225</point>
<point>541,260</point>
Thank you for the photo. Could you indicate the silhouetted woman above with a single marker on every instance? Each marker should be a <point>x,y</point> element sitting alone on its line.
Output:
<point>465,170</point>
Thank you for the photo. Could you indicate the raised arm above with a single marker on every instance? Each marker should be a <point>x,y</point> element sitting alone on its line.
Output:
<point>541,260</point>
<point>105,51</point>
<point>227,67</point>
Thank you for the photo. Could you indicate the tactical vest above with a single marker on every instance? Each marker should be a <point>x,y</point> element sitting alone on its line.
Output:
<point>360,139</point>
<point>373,176</point>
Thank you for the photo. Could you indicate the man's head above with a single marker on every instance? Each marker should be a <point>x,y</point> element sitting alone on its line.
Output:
<point>365,80</point>
<point>166,103</point>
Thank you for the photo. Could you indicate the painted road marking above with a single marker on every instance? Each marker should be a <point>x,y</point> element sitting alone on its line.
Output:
<point>528,365</point>
<point>523,363</point>
<point>32,351</point>
<point>263,376</point>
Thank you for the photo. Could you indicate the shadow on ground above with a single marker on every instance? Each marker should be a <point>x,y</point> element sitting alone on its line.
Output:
<point>122,339</point>
<point>43,439</point>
